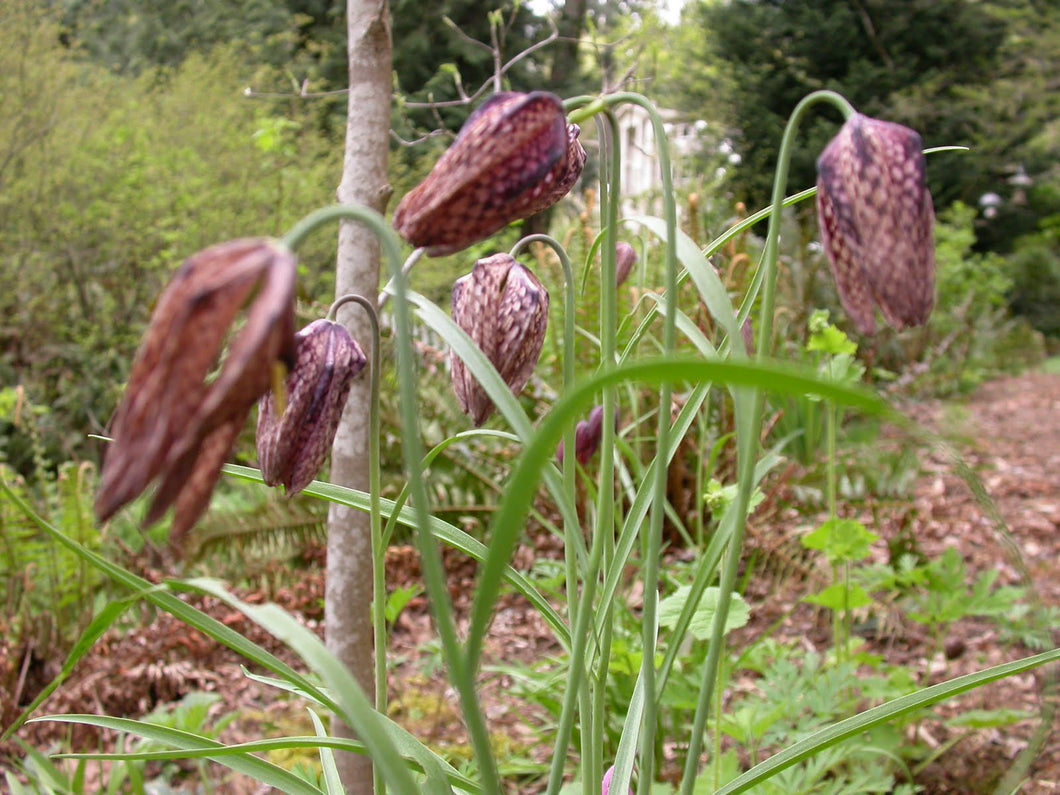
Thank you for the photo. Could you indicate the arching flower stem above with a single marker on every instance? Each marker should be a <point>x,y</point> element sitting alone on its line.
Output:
<point>748,430</point>
<point>461,667</point>
<point>375,513</point>
<point>585,108</point>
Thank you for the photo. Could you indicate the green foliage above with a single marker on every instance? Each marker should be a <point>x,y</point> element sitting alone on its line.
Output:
<point>841,540</point>
<point>802,424</point>
<point>1034,266</point>
<point>705,611</point>
<point>970,335</point>
<point>295,41</point>
<point>108,183</point>
<point>622,689</point>
<point>48,594</point>
<point>795,696</point>
<point>878,54</point>
<point>435,59</point>
<point>945,597</point>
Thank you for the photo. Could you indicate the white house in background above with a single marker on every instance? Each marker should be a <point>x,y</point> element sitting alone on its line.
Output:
<point>641,178</point>
<point>640,160</point>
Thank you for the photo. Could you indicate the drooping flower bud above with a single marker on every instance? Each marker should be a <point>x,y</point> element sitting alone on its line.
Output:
<point>292,446</point>
<point>587,435</point>
<point>515,156</point>
<point>625,259</point>
<point>747,331</point>
<point>876,219</point>
<point>175,425</point>
<point>605,787</point>
<point>504,309</point>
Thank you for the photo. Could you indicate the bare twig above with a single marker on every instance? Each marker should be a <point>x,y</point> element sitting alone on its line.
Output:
<point>466,38</point>
<point>302,93</point>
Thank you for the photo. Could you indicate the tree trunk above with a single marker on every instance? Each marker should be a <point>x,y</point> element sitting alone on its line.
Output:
<point>348,594</point>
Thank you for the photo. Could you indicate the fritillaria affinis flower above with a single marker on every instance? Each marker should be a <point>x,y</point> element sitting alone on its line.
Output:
<point>292,445</point>
<point>587,436</point>
<point>876,219</point>
<point>176,424</point>
<point>625,259</point>
<point>515,156</point>
<point>605,785</point>
<point>504,308</point>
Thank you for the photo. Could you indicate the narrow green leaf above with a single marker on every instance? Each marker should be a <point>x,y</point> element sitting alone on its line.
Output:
<point>49,773</point>
<point>706,279</point>
<point>259,769</point>
<point>444,531</point>
<point>161,597</point>
<point>332,781</point>
<point>508,521</point>
<point>353,706</point>
<point>856,724</point>
<point>100,624</point>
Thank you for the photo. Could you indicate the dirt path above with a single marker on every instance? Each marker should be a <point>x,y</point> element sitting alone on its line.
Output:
<point>1013,430</point>
<point>1010,435</point>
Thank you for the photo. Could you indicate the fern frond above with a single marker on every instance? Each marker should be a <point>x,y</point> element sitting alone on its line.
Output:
<point>275,529</point>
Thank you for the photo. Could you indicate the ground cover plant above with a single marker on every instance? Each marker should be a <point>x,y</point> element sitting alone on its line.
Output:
<point>643,691</point>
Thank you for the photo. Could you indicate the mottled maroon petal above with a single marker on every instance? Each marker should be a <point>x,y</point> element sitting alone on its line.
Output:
<point>515,156</point>
<point>503,307</point>
<point>876,220</point>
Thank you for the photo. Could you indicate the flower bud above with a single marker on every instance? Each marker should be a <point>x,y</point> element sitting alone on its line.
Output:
<point>504,308</point>
<point>515,156</point>
<point>587,435</point>
<point>876,220</point>
<point>292,446</point>
<point>625,259</point>
<point>174,424</point>
<point>605,785</point>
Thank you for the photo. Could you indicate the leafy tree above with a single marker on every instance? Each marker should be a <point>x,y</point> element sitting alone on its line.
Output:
<point>108,182</point>
<point>906,60</point>
<point>442,50</point>
<point>128,37</point>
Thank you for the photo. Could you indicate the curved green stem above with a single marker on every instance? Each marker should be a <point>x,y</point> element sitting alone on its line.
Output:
<point>572,532</point>
<point>462,675</point>
<point>410,263</point>
<point>750,406</point>
<point>579,602</point>
<point>652,540</point>
<point>379,629</point>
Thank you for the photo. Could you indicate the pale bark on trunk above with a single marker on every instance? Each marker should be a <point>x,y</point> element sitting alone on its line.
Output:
<point>348,592</point>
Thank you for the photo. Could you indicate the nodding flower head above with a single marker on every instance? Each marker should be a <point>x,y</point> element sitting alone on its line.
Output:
<point>605,786</point>
<point>293,444</point>
<point>504,309</point>
<point>176,424</point>
<point>587,436</point>
<point>876,219</point>
<point>515,156</point>
<point>625,259</point>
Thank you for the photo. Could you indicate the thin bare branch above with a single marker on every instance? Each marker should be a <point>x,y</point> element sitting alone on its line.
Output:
<point>552,38</point>
<point>469,39</point>
<point>414,142</point>
<point>301,94</point>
